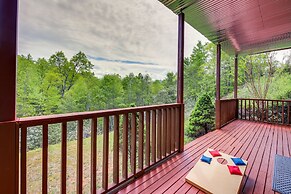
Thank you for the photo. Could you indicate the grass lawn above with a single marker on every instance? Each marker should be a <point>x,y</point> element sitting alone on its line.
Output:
<point>34,178</point>
<point>34,166</point>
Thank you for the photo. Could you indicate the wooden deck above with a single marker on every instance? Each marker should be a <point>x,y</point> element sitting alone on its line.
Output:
<point>253,141</point>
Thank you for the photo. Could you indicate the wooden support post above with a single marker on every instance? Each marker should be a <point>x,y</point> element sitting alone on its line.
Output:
<point>235,84</point>
<point>217,101</point>
<point>9,133</point>
<point>8,33</point>
<point>180,82</point>
<point>235,76</point>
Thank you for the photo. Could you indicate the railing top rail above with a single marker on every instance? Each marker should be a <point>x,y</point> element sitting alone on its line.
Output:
<point>264,99</point>
<point>59,118</point>
<point>229,99</point>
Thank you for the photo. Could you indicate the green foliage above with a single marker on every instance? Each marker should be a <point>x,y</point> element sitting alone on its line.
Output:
<point>259,73</point>
<point>111,91</point>
<point>281,87</point>
<point>200,74</point>
<point>202,116</point>
<point>168,91</point>
<point>62,85</point>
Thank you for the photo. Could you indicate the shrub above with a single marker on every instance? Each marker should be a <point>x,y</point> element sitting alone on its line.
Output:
<point>202,117</point>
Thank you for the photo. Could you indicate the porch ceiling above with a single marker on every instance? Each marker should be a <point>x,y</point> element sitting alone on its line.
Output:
<point>241,26</point>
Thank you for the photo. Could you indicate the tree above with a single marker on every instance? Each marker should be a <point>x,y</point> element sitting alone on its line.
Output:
<point>83,96</point>
<point>259,72</point>
<point>168,90</point>
<point>111,91</point>
<point>70,70</point>
<point>194,72</point>
<point>202,116</point>
<point>130,87</point>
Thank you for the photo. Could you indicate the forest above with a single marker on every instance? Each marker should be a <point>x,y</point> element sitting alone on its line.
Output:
<point>61,85</point>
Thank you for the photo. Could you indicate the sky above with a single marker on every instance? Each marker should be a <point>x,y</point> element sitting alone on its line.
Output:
<point>118,36</point>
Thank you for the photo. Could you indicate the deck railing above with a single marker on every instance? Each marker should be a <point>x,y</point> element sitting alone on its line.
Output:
<point>228,111</point>
<point>142,136</point>
<point>264,110</point>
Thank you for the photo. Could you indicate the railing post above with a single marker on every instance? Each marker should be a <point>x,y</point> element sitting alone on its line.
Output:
<point>235,76</point>
<point>217,101</point>
<point>9,144</point>
<point>180,82</point>
<point>235,83</point>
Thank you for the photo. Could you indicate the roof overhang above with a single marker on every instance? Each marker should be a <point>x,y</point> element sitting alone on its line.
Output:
<point>240,26</point>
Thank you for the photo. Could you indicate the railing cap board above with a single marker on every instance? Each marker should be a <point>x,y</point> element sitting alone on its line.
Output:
<point>59,118</point>
<point>260,99</point>
<point>230,99</point>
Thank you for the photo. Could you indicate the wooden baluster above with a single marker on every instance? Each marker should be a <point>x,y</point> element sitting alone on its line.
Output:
<point>249,109</point>
<point>272,111</point>
<point>181,128</point>
<point>282,112</point>
<point>267,111</point>
<point>245,109</point>
<point>177,127</point>
<point>168,143</point>
<point>277,111</point>
<point>44,158</point>
<point>164,133</point>
<point>116,150</point>
<point>288,114</point>
<point>254,110</point>
<point>259,111</point>
<point>79,181</point>
<point>64,159</point>
<point>241,113</point>
<point>125,147</point>
<point>154,156</point>
<point>159,135</point>
<point>241,105</point>
<point>23,159</point>
<point>105,152</point>
<point>263,109</point>
<point>93,154</point>
<point>148,139</point>
<point>133,143</point>
<point>140,140</point>
<point>173,130</point>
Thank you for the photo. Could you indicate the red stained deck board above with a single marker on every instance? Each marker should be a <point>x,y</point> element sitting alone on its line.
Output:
<point>180,172</point>
<point>289,140</point>
<point>251,153</point>
<point>234,146</point>
<point>173,161</point>
<point>262,175</point>
<point>256,142</point>
<point>279,142</point>
<point>268,184</point>
<point>249,186</point>
<point>238,136</point>
<point>223,140</point>
<point>184,188</point>
<point>170,167</point>
<point>193,190</point>
<point>285,142</point>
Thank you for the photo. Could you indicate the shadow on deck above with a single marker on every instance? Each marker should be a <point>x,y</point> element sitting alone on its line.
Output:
<point>253,141</point>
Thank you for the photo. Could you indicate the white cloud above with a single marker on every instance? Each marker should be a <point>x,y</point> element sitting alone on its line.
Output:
<point>138,30</point>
